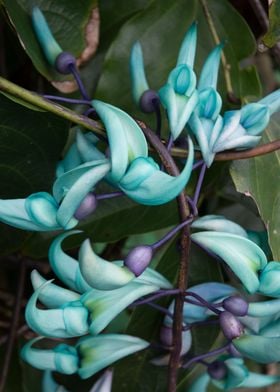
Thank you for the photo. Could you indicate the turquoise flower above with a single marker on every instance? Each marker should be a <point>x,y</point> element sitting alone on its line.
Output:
<point>86,358</point>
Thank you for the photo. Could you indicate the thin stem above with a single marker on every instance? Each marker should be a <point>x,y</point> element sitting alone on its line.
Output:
<point>206,355</point>
<point>159,294</point>
<point>67,100</point>
<point>199,184</point>
<point>169,143</point>
<point>89,111</point>
<point>13,328</point>
<point>80,84</point>
<point>104,196</point>
<point>170,234</point>
<point>197,164</point>
<point>192,205</point>
<point>203,301</point>
<point>161,309</point>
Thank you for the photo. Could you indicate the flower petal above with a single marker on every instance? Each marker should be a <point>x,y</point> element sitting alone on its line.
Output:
<point>272,101</point>
<point>210,70</point>
<point>256,380</point>
<point>137,73</point>
<point>49,385</point>
<point>254,118</point>
<point>188,47</point>
<point>219,223</point>
<point>200,384</point>
<point>42,210</point>
<point>99,273</point>
<point>126,138</point>
<point>243,256</point>
<point>66,267</point>
<point>269,279</point>
<point>264,308</point>
<point>62,358</point>
<point>86,147</point>
<point>100,351</point>
<point>104,383</point>
<point>259,348</point>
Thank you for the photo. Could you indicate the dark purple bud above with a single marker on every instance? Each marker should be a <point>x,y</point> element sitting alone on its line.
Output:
<point>217,370</point>
<point>64,62</point>
<point>138,259</point>
<point>233,351</point>
<point>87,206</point>
<point>166,336</point>
<point>236,305</point>
<point>148,101</point>
<point>230,325</point>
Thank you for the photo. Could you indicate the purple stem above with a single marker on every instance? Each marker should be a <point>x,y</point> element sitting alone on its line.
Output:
<point>169,143</point>
<point>170,234</point>
<point>109,195</point>
<point>203,301</point>
<point>159,294</point>
<point>197,164</point>
<point>80,84</point>
<point>161,309</point>
<point>89,111</point>
<point>199,184</point>
<point>67,100</point>
<point>206,355</point>
<point>192,205</point>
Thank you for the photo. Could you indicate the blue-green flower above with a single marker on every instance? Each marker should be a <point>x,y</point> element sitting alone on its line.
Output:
<point>87,357</point>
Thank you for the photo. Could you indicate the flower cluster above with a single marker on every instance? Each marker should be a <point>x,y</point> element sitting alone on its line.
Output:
<point>96,290</point>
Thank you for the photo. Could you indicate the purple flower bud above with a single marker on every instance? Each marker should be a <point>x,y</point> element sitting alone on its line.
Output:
<point>138,259</point>
<point>230,325</point>
<point>166,336</point>
<point>217,370</point>
<point>233,351</point>
<point>63,63</point>
<point>236,305</point>
<point>87,206</point>
<point>148,101</point>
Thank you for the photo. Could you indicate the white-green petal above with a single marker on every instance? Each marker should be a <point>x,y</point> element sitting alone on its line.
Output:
<point>99,273</point>
<point>188,47</point>
<point>104,306</point>
<point>210,70</point>
<point>45,37</point>
<point>126,139</point>
<point>86,147</point>
<point>159,187</point>
<point>62,358</point>
<point>219,223</point>
<point>254,118</point>
<point>269,279</point>
<point>104,383</point>
<point>100,351</point>
<point>272,101</point>
<point>42,210</point>
<point>264,308</point>
<point>65,267</point>
<point>71,160</point>
<point>52,296</point>
<point>137,73</point>
<point>243,256</point>
<point>259,348</point>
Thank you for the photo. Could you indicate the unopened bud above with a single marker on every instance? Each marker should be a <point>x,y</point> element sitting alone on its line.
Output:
<point>166,336</point>
<point>230,325</point>
<point>138,259</point>
<point>87,206</point>
<point>64,62</point>
<point>236,305</point>
<point>148,101</point>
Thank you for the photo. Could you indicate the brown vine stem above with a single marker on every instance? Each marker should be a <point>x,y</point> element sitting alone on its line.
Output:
<point>182,280</point>
<point>226,66</point>
<point>13,328</point>
<point>37,101</point>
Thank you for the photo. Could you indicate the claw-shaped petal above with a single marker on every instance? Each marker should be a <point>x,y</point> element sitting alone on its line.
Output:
<point>126,139</point>
<point>105,305</point>
<point>219,223</point>
<point>100,351</point>
<point>99,273</point>
<point>259,348</point>
<point>264,308</point>
<point>68,321</point>
<point>272,101</point>
<point>209,73</point>
<point>146,184</point>
<point>137,72</point>
<point>42,209</point>
<point>44,35</point>
<point>66,267</point>
<point>243,256</point>
<point>62,358</point>
<point>269,279</point>
<point>188,47</point>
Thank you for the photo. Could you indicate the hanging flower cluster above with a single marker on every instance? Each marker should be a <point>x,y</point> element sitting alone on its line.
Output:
<point>96,290</point>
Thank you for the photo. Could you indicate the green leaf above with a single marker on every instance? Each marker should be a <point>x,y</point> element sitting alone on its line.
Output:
<point>273,34</point>
<point>259,178</point>
<point>160,29</point>
<point>67,20</point>
<point>30,145</point>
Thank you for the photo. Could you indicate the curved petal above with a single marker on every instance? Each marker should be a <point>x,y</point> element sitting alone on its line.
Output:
<point>241,142</point>
<point>71,160</point>
<point>219,223</point>
<point>188,47</point>
<point>66,267</point>
<point>210,103</point>
<point>62,358</point>
<point>243,256</point>
<point>45,37</point>
<point>13,213</point>
<point>271,330</point>
<point>183,80</point>
<point>231,122</point>
<point>78,191</point>
<point>126,138</point>
<point>86,147</point>
<point>264,308</point>
<point>272,101</point>
<point>269,279</point>
<point>99,273</point>
<point>200,384</point>
<point>106,305</point>
<point>259,348</point>
<point>254,118</point>
<point>49,385</point>
<point>137,72</point>
<point>104,383</point>
<point>42,210</point>
<point>52,296</point>
<point>100,351</point>
<point>159,187</point>
<point>69,321</point>
<point>236,374</point>
<point>210,70</point>
<point>201,136</point>
<point>152,277</point>
<point>255,380</point>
